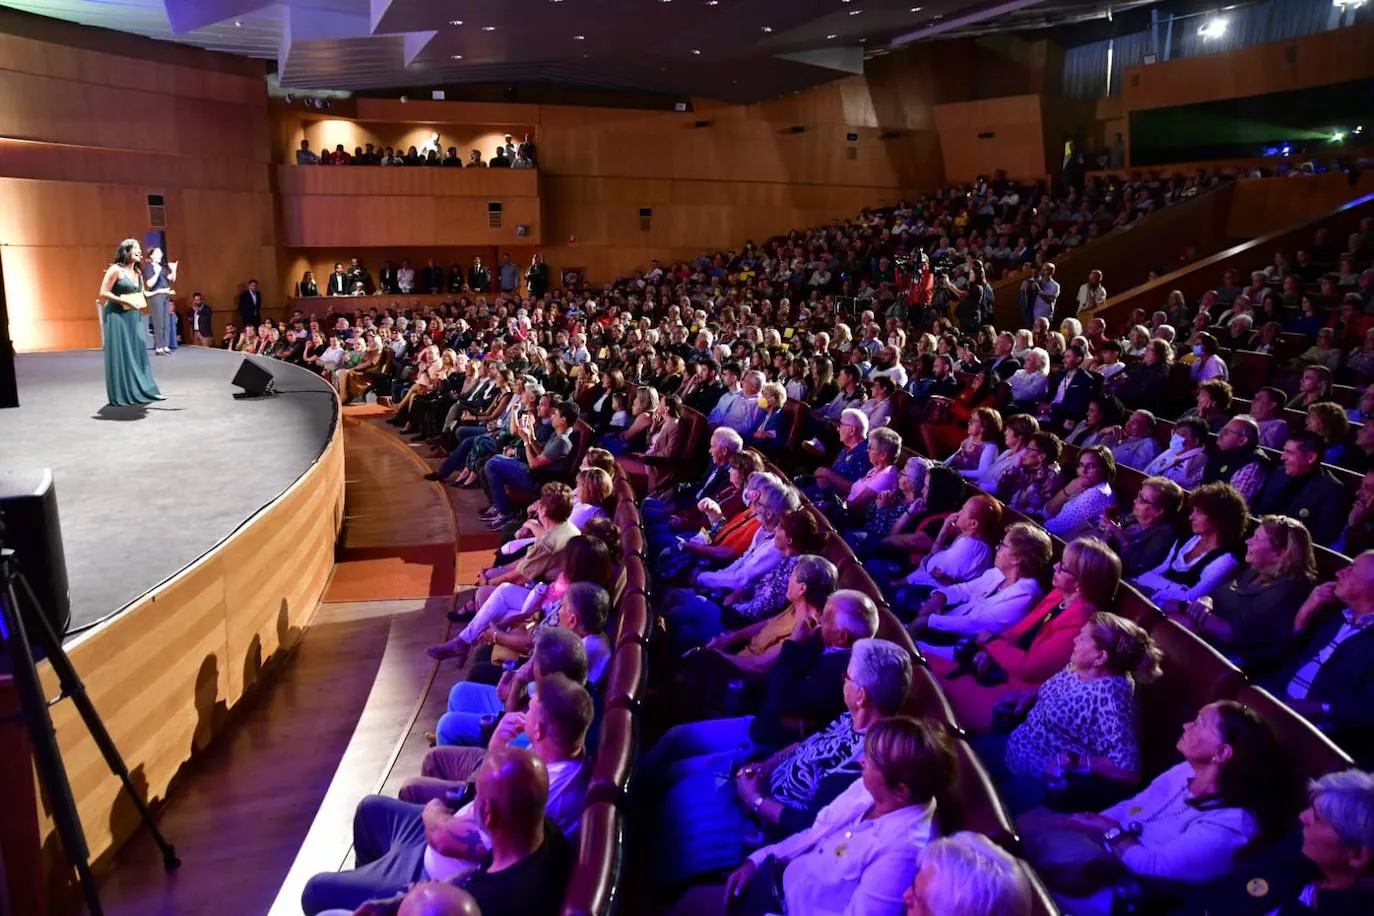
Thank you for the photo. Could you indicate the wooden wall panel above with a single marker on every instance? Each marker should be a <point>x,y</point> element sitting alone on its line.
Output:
<point>1324,58</point>
<point>164,672</point>
<point>490,184</point>
<point>86,136</point>
<point>319,220</point>
<point>1016,144</point>
<point>1262,207</point>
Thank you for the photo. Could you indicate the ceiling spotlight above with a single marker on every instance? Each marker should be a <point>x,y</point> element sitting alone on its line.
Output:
<point>455,22</point>
<point>855,12</point>
<point>488,28</point>
<point>713,2</point>
<point>1212,28</point>
<point>831,37</point>
<point>695,51</point>
<point>916,9</point>
<point>579,38</point>
<point>767,28</point>
<point>457,57</point>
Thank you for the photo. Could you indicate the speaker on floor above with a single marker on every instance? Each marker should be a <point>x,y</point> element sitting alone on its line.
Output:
<point>28,513</point>
<point>255,381</point>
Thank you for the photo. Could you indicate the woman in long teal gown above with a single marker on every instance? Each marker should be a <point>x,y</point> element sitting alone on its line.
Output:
<point>128,371</point>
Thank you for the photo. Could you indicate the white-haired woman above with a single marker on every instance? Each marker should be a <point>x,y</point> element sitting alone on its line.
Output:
<point>772,432</point>
<point>966,874</point>
<point>1031,382</point>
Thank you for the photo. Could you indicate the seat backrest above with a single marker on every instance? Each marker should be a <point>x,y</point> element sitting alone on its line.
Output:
<point>796,425</point>
<point>636,578</point>
<point>1195,674</point>
<point>926,700</point>
<point>625,683</point>
<point>627,516</point>
<point>582,440</point>
<point>615,758</point>
<point>1042,903</point>
<point>695,447</point>
<point>1308,752</point>
<point>836,550</point>
<point>632,540</point>
<point>973,803</point>
<point>1135,607</point>
<point>595,877</point>
<point>856,577</point>
<point>634,620</point>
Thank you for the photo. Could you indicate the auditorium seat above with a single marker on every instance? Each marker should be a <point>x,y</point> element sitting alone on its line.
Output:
<point>595,878</point>
<point>634,623</point>
<point>1195,674</point>
<point>1042,903</point>
<point>1249,371</point>
<point>797,414</point>
<point>836,550</point>
<point>1135,607</point>
<point>625,682</point>
<point>615,758</point>
<point>636,579</point>
<point>856,577</point>
<point>633,542</point>
<point>1308,752</point>
<point>627,515</point>
<point>973,803</point>
<point>624,492</point>
<point>927,701</point>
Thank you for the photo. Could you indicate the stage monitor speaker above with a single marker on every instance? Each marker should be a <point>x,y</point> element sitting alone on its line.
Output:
<point>28,510</point>
<point>255,381</point>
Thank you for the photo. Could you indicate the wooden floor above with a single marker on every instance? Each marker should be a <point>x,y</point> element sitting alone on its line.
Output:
<point>271,802</point>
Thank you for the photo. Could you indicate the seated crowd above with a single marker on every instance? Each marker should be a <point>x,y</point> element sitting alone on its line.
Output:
<point>982,549</point>
<point>508,155</point>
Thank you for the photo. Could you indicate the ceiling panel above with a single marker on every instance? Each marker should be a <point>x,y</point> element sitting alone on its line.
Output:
<point>724,49</point>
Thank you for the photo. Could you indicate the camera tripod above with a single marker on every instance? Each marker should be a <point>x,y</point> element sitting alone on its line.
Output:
<point>15,615</point>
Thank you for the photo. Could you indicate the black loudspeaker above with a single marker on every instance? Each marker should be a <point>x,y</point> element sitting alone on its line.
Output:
<point>255,381</point>
<point>28,511</point>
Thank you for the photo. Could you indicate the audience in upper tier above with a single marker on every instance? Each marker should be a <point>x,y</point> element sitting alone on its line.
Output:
<point>1088,502</point>
<point>508,154</point>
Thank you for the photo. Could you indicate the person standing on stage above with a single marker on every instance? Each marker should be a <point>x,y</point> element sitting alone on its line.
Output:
<point>157,284</point>
<point>202,328</point>
<point>250,305</point>
<point>128,372</point>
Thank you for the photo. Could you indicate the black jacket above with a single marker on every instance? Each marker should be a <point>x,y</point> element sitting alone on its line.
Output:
<point>806,684</point>
<point>1318,500</point>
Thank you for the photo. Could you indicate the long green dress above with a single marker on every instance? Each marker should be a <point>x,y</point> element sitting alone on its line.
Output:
<point>128,371</point>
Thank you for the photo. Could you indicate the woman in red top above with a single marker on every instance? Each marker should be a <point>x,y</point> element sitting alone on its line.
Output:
<point>1085,581</point>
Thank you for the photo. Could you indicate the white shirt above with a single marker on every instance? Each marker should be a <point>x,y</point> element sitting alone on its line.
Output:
<point>844,865</point>
<point>1165,589</point>
<point>760,557</point>
<point>975,606</point>
<point>1136,453</point>
<point>987,456</point>
<point>1081,511</point>
<point>567,791</point>
<point>405,279</point>
<point>1183,468</point>
<point>897,373</point>
<point>1091,298</point>
<point>988,480</point>
<point>961,561</point>
<point>1028,386</point>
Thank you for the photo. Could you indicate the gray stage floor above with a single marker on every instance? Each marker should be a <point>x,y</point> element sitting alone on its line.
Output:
<point>142,493</point>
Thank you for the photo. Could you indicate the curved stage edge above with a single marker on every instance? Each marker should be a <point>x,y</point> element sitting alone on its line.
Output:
<point>164,672</point>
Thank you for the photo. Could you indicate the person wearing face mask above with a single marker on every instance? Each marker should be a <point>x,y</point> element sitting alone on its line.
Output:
<point>772,428</point>
<point>1185,460</point>
<point>1209,365</point>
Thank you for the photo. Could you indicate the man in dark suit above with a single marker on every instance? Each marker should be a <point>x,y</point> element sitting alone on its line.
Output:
<point>202,327</point>
<point>431,278</point>
<point>479,278</point>
<point>357,273</point>
<point>250,305</point>
<point>660,508</point>
<point>1070,390</point>
<point>338,282</point>
<point>1003,364</point>
<point>708,389</point>
<point>1302,489</point>
<point>1330,678</point>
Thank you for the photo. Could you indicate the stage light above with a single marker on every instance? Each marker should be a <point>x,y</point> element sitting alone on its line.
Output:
<point>1212,28</point>
<point>1337,136</point>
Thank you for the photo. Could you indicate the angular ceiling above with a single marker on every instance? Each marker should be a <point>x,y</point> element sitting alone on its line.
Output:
<point>734,50</point>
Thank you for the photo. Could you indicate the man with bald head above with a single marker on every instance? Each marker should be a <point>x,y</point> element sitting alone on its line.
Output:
<point>524,874</point>
<point>435,898</point>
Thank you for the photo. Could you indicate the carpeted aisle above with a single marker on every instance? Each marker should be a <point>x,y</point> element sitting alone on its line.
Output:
<point>143,493</point>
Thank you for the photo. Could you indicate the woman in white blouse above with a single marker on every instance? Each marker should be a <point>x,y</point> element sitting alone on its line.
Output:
<point>859,856</point>
<point>1031,382</point>
<point>1196,567</point>
<point>992,602</point>
<point>962,551</point>
<point>1017,434</point>
<point>1080,506</point>
<point>1187,826</point>
<point>978,451</point>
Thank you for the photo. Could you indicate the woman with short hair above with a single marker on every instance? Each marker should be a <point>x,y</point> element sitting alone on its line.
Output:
<point>771,433</point>
<point>882,822</point>
<point>1078,742</point>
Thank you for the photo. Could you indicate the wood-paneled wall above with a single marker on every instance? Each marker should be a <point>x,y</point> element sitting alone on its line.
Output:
<point>1320,59</point>
<point>990,135</point>
<point>87,134</point>
<point>163,673</point>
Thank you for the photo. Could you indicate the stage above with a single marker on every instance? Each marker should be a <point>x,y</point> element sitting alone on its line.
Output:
<point>145,492</point>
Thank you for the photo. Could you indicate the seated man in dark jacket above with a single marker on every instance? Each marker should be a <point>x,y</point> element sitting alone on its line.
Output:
<point>1070,389</point>
<point>1326,867</point>
<point>1330,678</point>
<point>658,509</point>
<point>1304,490</point>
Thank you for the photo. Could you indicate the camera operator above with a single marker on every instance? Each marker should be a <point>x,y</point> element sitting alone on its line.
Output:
<point>975,302</point>
<point>1038,295</point>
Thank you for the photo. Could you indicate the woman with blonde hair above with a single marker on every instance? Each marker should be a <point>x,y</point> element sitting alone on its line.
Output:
<point>1079,742</point>
<point>984,670</point>
<point>771,433</point>
<point>1250,616</point>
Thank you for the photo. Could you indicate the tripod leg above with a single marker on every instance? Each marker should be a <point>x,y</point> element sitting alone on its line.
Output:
<point>76,690</point>
<point>48,759</point>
